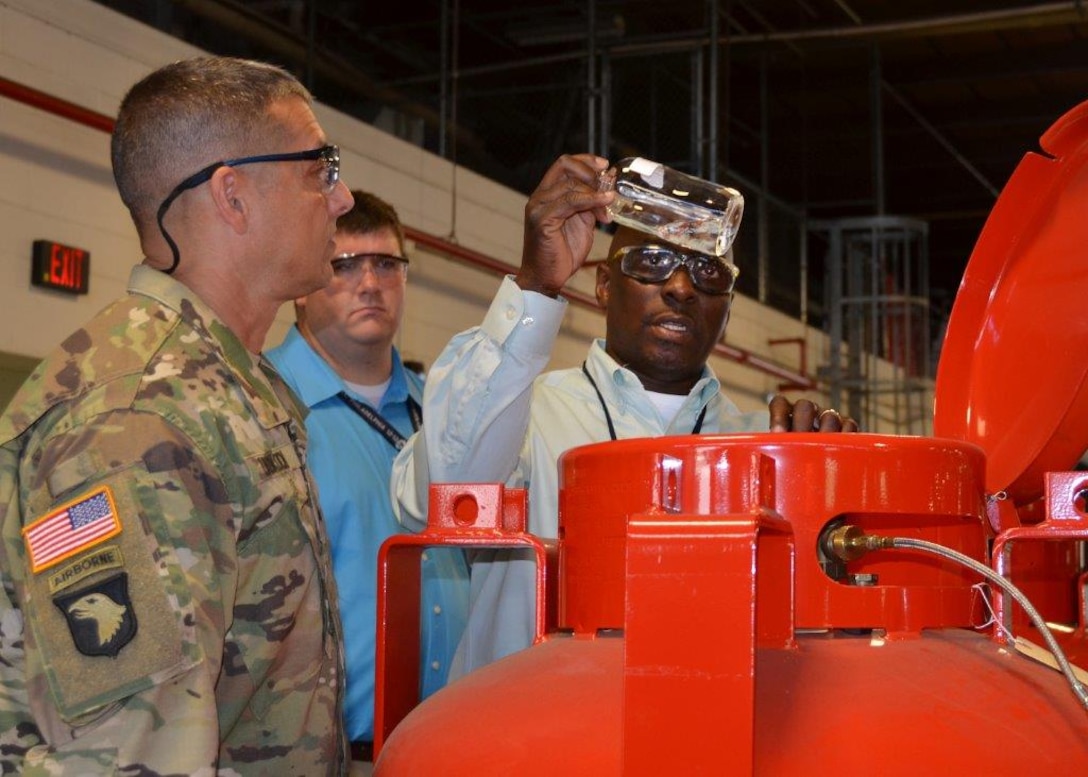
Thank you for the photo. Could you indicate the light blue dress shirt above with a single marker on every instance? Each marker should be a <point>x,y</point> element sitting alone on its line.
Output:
<point>351,462</point>
<point>491,416</point>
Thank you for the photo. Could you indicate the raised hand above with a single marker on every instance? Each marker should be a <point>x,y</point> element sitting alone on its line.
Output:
<point>560,218</point>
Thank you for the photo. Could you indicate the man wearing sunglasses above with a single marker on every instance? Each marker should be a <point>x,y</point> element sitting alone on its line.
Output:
<point>491,416</point>
<point>341,361</point>
<point>168,604</point>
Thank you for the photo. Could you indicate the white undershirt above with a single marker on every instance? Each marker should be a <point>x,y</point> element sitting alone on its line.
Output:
<point>372,394</point>
<point>668,405</point>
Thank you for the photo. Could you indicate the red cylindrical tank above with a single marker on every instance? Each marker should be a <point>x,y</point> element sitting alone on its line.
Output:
<point>702,632</point>
<point>704,629</point>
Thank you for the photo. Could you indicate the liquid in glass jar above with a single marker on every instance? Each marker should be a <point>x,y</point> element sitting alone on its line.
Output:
<point>680,209</point>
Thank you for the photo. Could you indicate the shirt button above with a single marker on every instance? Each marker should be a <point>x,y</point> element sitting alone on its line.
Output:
<point>435,665</point>
<point>423,555</point>
<point>527,321</point>
<point>437,610</point>
<point>511,314</point>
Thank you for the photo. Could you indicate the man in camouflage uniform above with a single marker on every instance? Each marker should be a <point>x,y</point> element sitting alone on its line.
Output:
<point>168,604</point>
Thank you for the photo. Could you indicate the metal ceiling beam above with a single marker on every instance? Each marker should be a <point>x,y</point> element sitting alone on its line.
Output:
<point>1047,15</point>
<point>1070,12</point>
<point>235,17</point>
<point>940,137</point>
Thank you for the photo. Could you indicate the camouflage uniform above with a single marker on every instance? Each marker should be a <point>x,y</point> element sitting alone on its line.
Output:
<point>193,630</point>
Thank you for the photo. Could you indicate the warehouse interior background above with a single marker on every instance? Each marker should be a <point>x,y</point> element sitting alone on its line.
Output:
<point>974,87</point>
<point>824,108</point>
<point>890,126</point>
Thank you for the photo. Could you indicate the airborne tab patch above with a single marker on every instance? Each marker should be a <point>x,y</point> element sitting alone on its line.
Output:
<point>99,560</point>
<point>100,617</point>
<point>71,529</point>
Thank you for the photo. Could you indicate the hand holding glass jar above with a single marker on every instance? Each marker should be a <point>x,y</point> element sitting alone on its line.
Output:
<point>678,208</point>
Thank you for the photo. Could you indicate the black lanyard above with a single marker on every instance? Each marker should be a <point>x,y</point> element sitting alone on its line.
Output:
<point>608,416</point>
<point>375,419</point>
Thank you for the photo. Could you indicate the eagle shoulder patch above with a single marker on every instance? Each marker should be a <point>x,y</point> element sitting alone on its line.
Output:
<point>100,617</point>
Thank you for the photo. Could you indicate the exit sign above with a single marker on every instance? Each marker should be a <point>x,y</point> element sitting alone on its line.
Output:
<point>61,267</point>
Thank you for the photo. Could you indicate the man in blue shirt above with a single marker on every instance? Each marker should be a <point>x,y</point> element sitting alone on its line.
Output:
<point>341,361</point>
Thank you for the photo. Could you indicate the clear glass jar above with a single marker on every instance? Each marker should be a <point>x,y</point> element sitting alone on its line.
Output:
<point>678,208</point>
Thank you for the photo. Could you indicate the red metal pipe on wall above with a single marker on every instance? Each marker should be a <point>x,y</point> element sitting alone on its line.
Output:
<point>55,105</point>
<point>81,115</point>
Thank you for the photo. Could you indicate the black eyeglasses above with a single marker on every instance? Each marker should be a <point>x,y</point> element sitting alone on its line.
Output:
<point>329,155</point>
<point>386,267</point>
<point>656,264</point>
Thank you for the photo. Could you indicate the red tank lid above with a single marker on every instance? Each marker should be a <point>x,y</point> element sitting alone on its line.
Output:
<point>1013,367</point>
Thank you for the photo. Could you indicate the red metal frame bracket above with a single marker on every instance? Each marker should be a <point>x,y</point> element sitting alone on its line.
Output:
<point>465,515</point>
<point>1064,521</point>
<point>703,593</point>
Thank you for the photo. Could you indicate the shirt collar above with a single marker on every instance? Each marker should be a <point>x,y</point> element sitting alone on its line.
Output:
<point>315,381</point>
<point>250,368</point>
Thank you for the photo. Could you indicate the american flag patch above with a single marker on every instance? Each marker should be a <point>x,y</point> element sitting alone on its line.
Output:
<point>71,528</point>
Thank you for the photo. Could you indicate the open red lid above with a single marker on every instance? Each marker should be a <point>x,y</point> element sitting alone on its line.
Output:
<point>1013,373</point>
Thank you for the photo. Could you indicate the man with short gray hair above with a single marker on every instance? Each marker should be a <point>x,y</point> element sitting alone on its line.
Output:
<point>168,604</point>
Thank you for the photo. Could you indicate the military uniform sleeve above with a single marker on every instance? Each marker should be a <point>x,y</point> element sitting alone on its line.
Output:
<point>118,565</point>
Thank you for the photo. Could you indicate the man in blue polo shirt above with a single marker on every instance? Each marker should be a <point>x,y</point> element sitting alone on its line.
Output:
<point>341,361</point>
